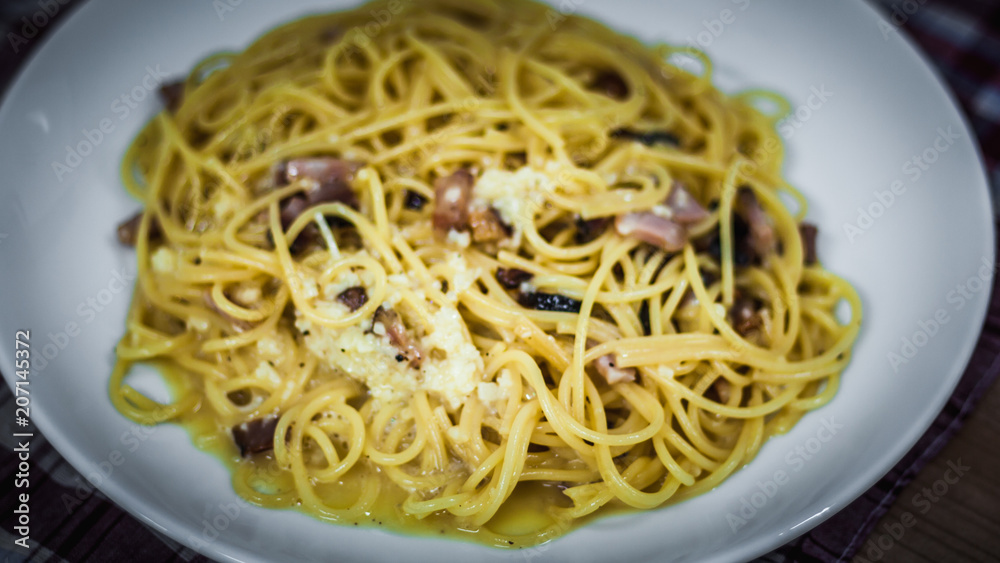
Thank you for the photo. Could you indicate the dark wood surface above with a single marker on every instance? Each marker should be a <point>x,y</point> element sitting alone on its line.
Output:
<point>962,523</point>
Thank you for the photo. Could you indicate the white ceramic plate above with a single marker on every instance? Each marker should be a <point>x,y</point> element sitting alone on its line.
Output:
<point>867,106</point>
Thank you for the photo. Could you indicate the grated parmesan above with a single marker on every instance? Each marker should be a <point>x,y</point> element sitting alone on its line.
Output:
<point>452,366</point>
<point>516,196</point>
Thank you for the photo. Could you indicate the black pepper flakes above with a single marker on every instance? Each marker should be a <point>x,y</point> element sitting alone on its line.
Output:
<point>549,302</point>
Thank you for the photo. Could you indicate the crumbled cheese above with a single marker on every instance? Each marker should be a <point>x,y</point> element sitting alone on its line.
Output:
<point>310,289</point>
<point>398,283</point>
<point>451,366</point>
<point>269,348</point>
<point>225,204</point>
<point>347,279</point>
<point>506,382</point>
<point>720,310</point>
<point>461,239</point>
<point>454,377</point>
<point>164,260</point>
<point>266,372</point>
<point>522,331</point>
<point>198,324</point>
<point>462,277</point>
<point>488,392</point>
<point>247,295</point>
<point>516,196</point>
<point>457,435</point>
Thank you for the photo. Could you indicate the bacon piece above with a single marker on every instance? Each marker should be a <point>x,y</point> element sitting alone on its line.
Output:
<point>451,201</point>
<point>255,436</point>
<point>762,236</point>
<point>683,206</point>
<point>743,315</point>
<point>606,366</point>
<point>653,229</point>
<point>128,231</point>
<point>487,226</point>
<point>332,178</point>
<point>723,389</point>
<point>398,337</point>
<point>808,232</point>
<point>353,297</point>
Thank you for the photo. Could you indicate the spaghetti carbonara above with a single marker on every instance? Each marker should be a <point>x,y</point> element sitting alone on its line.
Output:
<point>473,266</point>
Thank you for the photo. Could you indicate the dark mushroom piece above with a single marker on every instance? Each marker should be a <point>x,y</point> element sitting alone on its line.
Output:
<point>590,229</point>
<point>353,297</point>
<point>648,138</point>
<point>414,200</point>
<point>808,232</point>
<point>255,436</point>
<point>172,94</point>
<point>611,84</point>
<point>512,278</point>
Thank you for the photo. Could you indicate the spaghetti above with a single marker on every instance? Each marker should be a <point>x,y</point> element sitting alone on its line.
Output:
<point>468,258</point>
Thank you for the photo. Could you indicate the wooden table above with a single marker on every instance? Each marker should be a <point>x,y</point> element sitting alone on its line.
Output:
<point>937,521</point>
